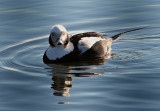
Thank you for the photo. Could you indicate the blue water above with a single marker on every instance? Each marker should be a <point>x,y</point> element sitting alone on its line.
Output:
<point>129,81</point>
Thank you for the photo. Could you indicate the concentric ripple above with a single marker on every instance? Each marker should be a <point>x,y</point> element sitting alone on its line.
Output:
<point>25,57</point>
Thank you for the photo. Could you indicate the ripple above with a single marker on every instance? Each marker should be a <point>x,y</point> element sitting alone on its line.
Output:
<point>127,55</point>
<point>24,57</point>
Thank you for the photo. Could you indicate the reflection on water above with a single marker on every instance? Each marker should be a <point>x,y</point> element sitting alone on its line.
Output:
<point>62,75</point>
<point>61,85</point>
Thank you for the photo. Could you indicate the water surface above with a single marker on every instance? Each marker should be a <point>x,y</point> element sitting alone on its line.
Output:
<point>129,81</point>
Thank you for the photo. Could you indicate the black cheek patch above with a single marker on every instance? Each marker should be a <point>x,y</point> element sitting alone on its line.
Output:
<point>50,41</point>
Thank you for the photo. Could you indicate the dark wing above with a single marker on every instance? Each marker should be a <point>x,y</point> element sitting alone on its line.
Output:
<point>75,38</point>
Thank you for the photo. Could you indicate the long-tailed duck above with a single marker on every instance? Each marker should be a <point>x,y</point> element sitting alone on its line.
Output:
<point>82,46</point>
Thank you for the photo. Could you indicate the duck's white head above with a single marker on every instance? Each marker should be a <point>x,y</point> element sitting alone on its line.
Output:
<point>58,36</point>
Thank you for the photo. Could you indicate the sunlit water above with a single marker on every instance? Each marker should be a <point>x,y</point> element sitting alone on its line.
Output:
<point>129,81</point>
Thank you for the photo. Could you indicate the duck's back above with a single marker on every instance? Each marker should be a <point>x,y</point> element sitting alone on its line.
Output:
<point>91,45</point>
<point>77,37</point>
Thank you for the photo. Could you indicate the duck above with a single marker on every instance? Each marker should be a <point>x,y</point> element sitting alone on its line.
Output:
<point>78,47</point>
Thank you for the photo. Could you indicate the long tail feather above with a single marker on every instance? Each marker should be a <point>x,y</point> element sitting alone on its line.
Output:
<point>115,37</point>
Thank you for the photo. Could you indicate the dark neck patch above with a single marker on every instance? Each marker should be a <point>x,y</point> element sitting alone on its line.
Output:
<point>67,41</point>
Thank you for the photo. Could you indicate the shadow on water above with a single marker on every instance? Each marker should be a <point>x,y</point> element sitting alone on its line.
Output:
<point>62,75</point>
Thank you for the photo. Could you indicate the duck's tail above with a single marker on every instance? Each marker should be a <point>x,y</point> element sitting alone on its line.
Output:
<point>115,37</point>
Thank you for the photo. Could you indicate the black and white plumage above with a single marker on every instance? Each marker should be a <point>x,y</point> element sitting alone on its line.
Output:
<point>82,46</point>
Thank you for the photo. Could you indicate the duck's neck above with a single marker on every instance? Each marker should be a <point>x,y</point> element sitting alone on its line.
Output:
<point>69,46</point>
<point>67,41</point>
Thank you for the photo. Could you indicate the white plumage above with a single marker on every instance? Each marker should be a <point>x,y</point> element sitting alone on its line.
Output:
<point>87,42</point>
<point>59,51</point>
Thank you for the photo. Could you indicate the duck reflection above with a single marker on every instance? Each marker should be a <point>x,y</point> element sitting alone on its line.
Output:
<point>61,85</point>
<point>62,75</point>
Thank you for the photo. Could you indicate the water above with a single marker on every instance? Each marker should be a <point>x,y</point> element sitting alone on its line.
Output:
<point>130,81</point>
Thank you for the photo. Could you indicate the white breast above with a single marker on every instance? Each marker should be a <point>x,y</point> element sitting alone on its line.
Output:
<point>59,51</point>
<point>87,42</point>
